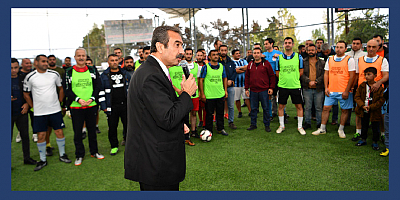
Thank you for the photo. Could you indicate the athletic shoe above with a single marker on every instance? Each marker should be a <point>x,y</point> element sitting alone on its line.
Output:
<point>65,159</point>
<point>341,134</point>
<point>240,115</point>
<point>40,165</point>
<point>78,161</point>
<point>123,142</point>
<point>49,151</point>
<point>97,130</point>
<point>319,131</point>
<point>83,135</point>
<point>18,138</point>
<point>385,152</point>
<point>280,129</point>
<point>34,137</point>
<point>356,137</point>
<point>252,127</point>
<point>306,126</point>
<point>223,132</point>
<point>232,125</point>
<point>361,143</point>
<point>244,105</point>
<point>226,116</point>
<point>301,131</point>
<point>268,129</point>
<point>375,146</point>
<point>189,142</point>
<point>98,156</point>
<point>30,161</point>
<point>114,151</point>
<point>195,134</point>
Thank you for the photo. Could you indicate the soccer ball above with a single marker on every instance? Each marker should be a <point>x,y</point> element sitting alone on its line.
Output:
<point>205,135</point>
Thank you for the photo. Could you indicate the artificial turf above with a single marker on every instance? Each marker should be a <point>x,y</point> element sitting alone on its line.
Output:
<point>243,161</point>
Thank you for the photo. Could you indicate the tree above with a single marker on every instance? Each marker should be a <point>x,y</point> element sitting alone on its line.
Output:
<point>366,27</point>
<point>316,34</point>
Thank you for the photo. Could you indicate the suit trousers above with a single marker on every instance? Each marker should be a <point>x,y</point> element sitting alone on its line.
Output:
<point>89,116</point>
<point>22,124</point>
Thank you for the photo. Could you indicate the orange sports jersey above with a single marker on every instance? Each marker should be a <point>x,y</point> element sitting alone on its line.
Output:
<point>362,65</point>
<point>338,74</point>
<point>381,53</point>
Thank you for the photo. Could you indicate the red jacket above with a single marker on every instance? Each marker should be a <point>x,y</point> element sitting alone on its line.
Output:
<point>259,78</point>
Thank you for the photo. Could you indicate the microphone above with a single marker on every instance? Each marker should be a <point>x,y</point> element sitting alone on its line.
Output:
<point>185,69</point>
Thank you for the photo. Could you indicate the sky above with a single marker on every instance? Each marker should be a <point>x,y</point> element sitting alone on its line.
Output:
<point>60,31</point>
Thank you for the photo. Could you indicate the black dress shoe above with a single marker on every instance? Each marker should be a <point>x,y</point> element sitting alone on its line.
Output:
<point>252,127</point>
<point>268,129</point>
<point>30,161</point>
<point>240,115</point>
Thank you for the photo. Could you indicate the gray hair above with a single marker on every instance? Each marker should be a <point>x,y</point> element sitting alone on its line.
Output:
<point>80,48</point>
<point>325,46</point>
<point>160,34</point>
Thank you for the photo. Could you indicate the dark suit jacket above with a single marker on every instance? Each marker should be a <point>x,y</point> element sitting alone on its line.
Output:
<point>305,80</point>
<point>155,142</point>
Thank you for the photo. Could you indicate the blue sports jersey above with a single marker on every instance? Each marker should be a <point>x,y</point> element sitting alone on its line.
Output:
<point>269,57</point>
<point>239,82</point>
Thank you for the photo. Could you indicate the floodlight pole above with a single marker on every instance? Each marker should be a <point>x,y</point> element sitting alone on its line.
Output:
<point>243,36</point>
<point>194,27</point>
<point>123,35</point>
<point>327,25</point>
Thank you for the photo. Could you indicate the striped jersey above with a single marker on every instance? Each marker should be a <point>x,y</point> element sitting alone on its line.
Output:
<point>239,81</point>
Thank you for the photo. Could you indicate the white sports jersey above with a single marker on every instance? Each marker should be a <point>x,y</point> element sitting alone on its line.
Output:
<point>44,91</point>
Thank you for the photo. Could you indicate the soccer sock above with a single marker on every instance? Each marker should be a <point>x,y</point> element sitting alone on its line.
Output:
<point>341,127</point>
<point>323,127</point>
<point>61,145</point>
<point>84,129</point>
<point>299,122</point>
<point>358,131</point>
<point>42,150</point>
<point>281,121</point>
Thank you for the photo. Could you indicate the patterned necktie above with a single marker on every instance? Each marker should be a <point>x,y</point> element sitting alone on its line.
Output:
<point>169,78</point>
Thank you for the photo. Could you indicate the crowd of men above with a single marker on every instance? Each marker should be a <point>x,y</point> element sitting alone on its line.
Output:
<point>316,78</point>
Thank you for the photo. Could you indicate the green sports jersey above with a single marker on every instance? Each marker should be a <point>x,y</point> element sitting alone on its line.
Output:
<point>176,73</point>
<point>82,86</point>
<point>289,73</point>
<point>213,82</point>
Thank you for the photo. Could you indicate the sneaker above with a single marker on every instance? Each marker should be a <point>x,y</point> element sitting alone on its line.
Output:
<point>65,159</point>
<point>301,131</point>
<point>49,151</point>
<point>268,129</point>
<point>97,130</point>
<point>226,116</point>
<point>319,131</point>
<point>78,161</point>
<point>223,132</point>
<point>123,142</point>
<point>83,135</point>
<point>252,127</point>
<point>114,151</point>
<point>18,138</point>
<point>306,126</point>
<point>40,165</point>
<point>341,134</point>
<point>240,115</point>
<point>34,137</point>
<point>232,125</point>
<point>98,156</point>
<point>356,137</point>
<point>189,142</point>
<point>195,134</point>
<point>280,129</point>
<point>30,161</point>
<point>361,143</point>
<point>385,152</point>
<point>244,105</point>
<point>375,146</point>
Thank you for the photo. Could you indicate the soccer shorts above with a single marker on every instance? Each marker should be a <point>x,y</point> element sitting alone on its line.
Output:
<point>336,97</point>
<point>239,91</point>
<point>40,123</point>
<point>195,102</point>
<point>295,94</point>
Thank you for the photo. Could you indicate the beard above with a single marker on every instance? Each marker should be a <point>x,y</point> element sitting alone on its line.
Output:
<point>52,64</point>
<point>311,55</point>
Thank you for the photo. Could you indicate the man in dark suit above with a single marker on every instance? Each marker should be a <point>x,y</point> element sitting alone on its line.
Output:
<point>155,143</point>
